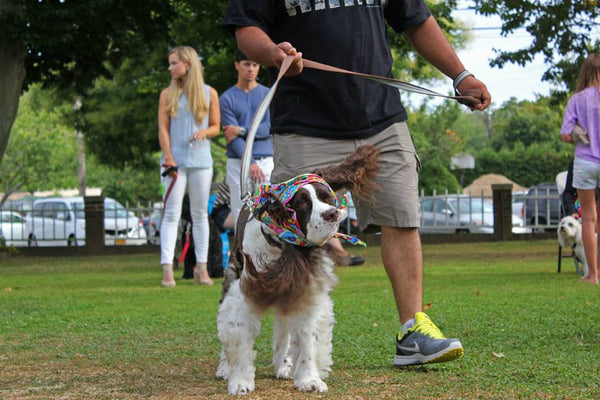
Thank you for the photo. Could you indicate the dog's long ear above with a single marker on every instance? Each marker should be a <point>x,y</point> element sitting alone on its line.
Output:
<point>355,173</point>
<point>274,208</point>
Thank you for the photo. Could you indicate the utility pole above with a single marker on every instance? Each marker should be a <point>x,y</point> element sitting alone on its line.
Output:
<point>80,155</point>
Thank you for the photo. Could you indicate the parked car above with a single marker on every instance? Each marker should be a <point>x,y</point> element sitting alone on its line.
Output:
<point>60,221</point>
<point>541,208</point>
<point>12,228</point>
<point>153,227</point>
<point>461,214</point>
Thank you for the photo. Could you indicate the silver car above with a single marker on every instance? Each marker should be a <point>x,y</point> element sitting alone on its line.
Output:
<point>461,214</point>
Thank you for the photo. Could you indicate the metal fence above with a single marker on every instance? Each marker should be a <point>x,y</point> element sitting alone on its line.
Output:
<point>25,225</point>
<point>538,210</point>
<point>60,221</point>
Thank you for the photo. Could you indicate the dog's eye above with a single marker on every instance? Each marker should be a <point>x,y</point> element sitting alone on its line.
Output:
<point>300,200</point>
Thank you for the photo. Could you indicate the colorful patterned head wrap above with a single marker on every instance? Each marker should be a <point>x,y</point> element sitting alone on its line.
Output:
<point>289,229</point>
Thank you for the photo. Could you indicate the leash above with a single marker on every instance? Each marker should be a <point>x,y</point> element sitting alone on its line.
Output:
<point>186,246</point>
<point>266,101</point>
<point>173,180</point>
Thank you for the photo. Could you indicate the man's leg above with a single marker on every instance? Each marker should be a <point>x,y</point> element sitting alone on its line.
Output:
<point>421,342</point>
<point>403,261</point>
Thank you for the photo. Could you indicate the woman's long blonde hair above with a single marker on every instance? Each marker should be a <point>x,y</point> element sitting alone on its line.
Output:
<point>589,74</point>
<point>192,85</point>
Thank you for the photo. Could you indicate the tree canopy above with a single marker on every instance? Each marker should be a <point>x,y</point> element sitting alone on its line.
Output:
<point>69,43</point>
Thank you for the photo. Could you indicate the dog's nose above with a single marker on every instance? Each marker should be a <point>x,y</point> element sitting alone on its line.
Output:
<point>330,215</point>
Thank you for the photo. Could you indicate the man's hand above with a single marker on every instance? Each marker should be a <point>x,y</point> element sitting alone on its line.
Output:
<point>474,87</point>
<point>231,132</point>
<point>281,51</point>
<point>256,174</point>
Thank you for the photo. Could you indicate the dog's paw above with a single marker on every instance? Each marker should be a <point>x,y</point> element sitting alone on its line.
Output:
<point>284,370</point>
<point>237,388</point>
<point>223,370</point>
<point>283,373</point>
<point>324,372</point>
<point>313,385</point>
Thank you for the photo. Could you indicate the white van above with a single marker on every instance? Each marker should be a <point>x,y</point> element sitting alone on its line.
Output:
<point>60,221</point>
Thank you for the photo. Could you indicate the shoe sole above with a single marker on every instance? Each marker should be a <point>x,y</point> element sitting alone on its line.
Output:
<point>453,352</point>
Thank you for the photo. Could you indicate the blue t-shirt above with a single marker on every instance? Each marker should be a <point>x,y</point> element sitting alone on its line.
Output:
<point>182,129</point>
<point>238,108</point>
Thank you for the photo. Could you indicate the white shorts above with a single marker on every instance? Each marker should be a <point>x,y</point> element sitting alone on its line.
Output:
<point>586,174</point>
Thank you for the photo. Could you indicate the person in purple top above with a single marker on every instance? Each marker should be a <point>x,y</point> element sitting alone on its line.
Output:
<point>583,110</point>
<point>238,104</point>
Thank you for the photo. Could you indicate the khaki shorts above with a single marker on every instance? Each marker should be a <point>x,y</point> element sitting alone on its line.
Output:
<point>396,200</point>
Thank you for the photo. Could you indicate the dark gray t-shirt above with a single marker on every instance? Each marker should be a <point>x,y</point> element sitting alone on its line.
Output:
<point>349,34</point>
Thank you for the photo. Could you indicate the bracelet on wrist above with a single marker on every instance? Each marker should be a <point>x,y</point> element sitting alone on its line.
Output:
<point>459,78</point>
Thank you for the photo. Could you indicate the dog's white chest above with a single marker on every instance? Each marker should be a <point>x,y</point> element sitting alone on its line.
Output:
<point>255,244</point>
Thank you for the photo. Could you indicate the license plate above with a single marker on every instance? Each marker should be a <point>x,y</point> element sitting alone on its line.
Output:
<point>120,241</point>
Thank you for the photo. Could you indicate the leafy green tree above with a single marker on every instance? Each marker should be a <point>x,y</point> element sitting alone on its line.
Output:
<point>68,43</point>
<point>42,153</point>
<point>526,166</point>
<point>439,134</point>
<point>561,32</point>
<point>527,122</point>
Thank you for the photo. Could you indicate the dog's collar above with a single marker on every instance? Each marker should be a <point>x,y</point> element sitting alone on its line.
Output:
<point>289,229</point>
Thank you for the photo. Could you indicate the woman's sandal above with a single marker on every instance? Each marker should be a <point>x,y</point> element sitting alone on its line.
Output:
<point>168,283</point>
<point>202,281</point>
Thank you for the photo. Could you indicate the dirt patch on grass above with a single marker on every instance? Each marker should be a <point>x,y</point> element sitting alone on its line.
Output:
<point>195,380</point>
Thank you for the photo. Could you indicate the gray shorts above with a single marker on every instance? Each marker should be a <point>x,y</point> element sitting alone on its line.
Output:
<point>396,200</point>
<point>586,174</point>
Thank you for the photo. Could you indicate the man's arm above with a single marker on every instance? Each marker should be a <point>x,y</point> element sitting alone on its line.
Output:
<point>429,41</point>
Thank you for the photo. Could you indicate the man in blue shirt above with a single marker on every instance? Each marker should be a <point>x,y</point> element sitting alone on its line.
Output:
<point>238,105</point>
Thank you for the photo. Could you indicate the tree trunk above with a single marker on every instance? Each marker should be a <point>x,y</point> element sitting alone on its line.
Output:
<point>12,75</point>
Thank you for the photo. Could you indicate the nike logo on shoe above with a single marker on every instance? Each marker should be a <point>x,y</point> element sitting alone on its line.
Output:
<point>414,348</point>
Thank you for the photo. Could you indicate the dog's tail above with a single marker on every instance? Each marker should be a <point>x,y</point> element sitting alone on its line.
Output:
<point>356,173</point>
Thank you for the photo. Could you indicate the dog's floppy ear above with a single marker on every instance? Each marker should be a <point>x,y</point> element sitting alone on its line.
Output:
<point>274,208</point>
<point>356,173</point>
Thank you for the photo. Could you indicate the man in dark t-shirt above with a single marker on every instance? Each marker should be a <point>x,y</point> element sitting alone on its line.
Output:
<point>318,118</point>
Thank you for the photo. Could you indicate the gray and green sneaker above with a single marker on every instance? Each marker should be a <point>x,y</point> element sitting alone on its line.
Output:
<point>425,344</point>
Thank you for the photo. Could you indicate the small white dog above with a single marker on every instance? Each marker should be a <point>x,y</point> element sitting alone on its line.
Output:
<point>290,271</point>
<point>569,236</point>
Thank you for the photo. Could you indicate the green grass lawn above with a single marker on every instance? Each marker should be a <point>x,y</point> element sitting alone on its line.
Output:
<point>102,327</point>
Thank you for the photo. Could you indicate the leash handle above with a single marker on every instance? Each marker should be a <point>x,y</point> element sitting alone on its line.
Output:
<point>168,170</point>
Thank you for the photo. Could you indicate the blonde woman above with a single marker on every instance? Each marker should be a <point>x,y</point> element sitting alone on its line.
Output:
<point>583,109</point>
<point>188,116</point>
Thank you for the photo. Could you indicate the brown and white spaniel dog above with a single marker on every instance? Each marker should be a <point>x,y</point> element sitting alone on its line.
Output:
<point>279,260</point>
